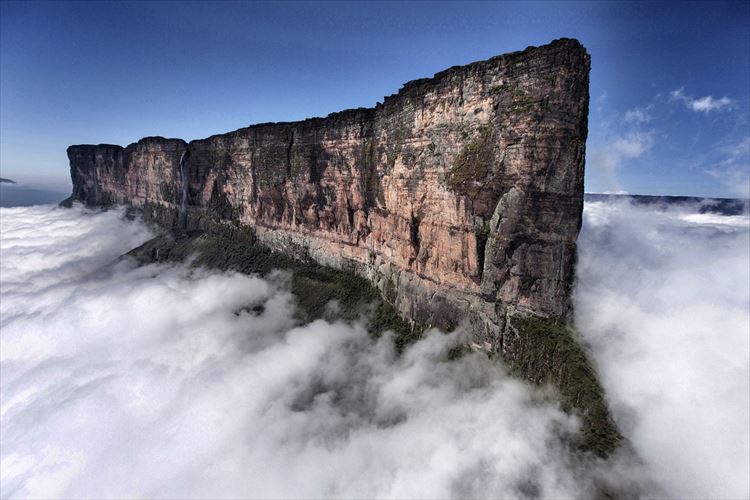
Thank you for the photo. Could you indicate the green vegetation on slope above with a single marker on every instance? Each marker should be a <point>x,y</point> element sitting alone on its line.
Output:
<point>313,286</point>
<point>472,164</point>
<point>548,351</point>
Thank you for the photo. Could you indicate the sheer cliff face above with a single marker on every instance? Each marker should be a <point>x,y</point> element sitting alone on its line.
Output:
<point>460,197</point>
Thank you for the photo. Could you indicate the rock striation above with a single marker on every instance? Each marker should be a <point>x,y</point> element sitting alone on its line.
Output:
<point>459,198</point>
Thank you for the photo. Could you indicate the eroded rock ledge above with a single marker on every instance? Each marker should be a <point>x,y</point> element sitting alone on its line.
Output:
<point>459,198</point>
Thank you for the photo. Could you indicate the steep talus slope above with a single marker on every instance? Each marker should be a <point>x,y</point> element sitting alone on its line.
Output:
<point>459,198</point>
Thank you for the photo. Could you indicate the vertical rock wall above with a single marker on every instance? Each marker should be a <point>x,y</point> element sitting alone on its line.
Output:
<point>460,197</point>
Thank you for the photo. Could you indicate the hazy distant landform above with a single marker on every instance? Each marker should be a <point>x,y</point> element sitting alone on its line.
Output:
<point>13,194</point>
<point>723,206</point>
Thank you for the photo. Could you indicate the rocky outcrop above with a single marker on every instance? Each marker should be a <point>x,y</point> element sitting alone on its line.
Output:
<point>460,197</point>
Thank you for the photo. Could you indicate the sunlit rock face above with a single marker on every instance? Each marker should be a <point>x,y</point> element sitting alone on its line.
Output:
<point>459,197</point>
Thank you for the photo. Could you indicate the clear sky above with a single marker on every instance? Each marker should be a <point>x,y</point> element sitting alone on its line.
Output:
<point>670,82</point>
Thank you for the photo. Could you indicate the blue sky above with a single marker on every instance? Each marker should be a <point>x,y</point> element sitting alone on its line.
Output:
<point>669,84</point>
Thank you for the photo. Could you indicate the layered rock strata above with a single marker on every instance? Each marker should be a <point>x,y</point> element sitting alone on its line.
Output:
<point>459,197</point>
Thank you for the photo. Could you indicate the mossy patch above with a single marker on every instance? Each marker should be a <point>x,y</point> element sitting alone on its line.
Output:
<point>548,351</point>
<point>515,96</point>
<point>472,164</point>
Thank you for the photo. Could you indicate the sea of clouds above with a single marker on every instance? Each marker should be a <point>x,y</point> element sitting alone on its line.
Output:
<point>663,297</point>
<point>168,381</point>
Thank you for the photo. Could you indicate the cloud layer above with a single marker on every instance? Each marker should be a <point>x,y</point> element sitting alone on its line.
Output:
<point>664,299</point>
<point>166,381</point>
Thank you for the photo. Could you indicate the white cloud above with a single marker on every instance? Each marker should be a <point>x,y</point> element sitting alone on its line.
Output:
<point>633,145</point>
<point>663,299</point>
<point>609,158</point>
<point>159,381</point>
<point>703,104</point>
<point>638,115</point>
<point>599,101</point>
<point>708,103</point>
<point>736,178</point>
<point>733,167</point>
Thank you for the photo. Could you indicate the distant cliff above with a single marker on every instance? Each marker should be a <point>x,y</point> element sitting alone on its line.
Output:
<point>460,197</point>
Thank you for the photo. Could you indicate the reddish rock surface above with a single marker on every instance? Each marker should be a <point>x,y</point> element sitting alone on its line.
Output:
<point>460,197</point>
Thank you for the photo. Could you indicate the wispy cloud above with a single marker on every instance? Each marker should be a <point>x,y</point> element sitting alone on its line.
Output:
<point>633,145</point>
<point>703,104</point>
<point>733,169</point>
<point>610,156</point>
<point>652,131</point>
<point>638,115</point>
<point>599,101</point>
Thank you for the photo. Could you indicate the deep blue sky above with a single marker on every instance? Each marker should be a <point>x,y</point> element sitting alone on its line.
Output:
<point>669,84</point>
